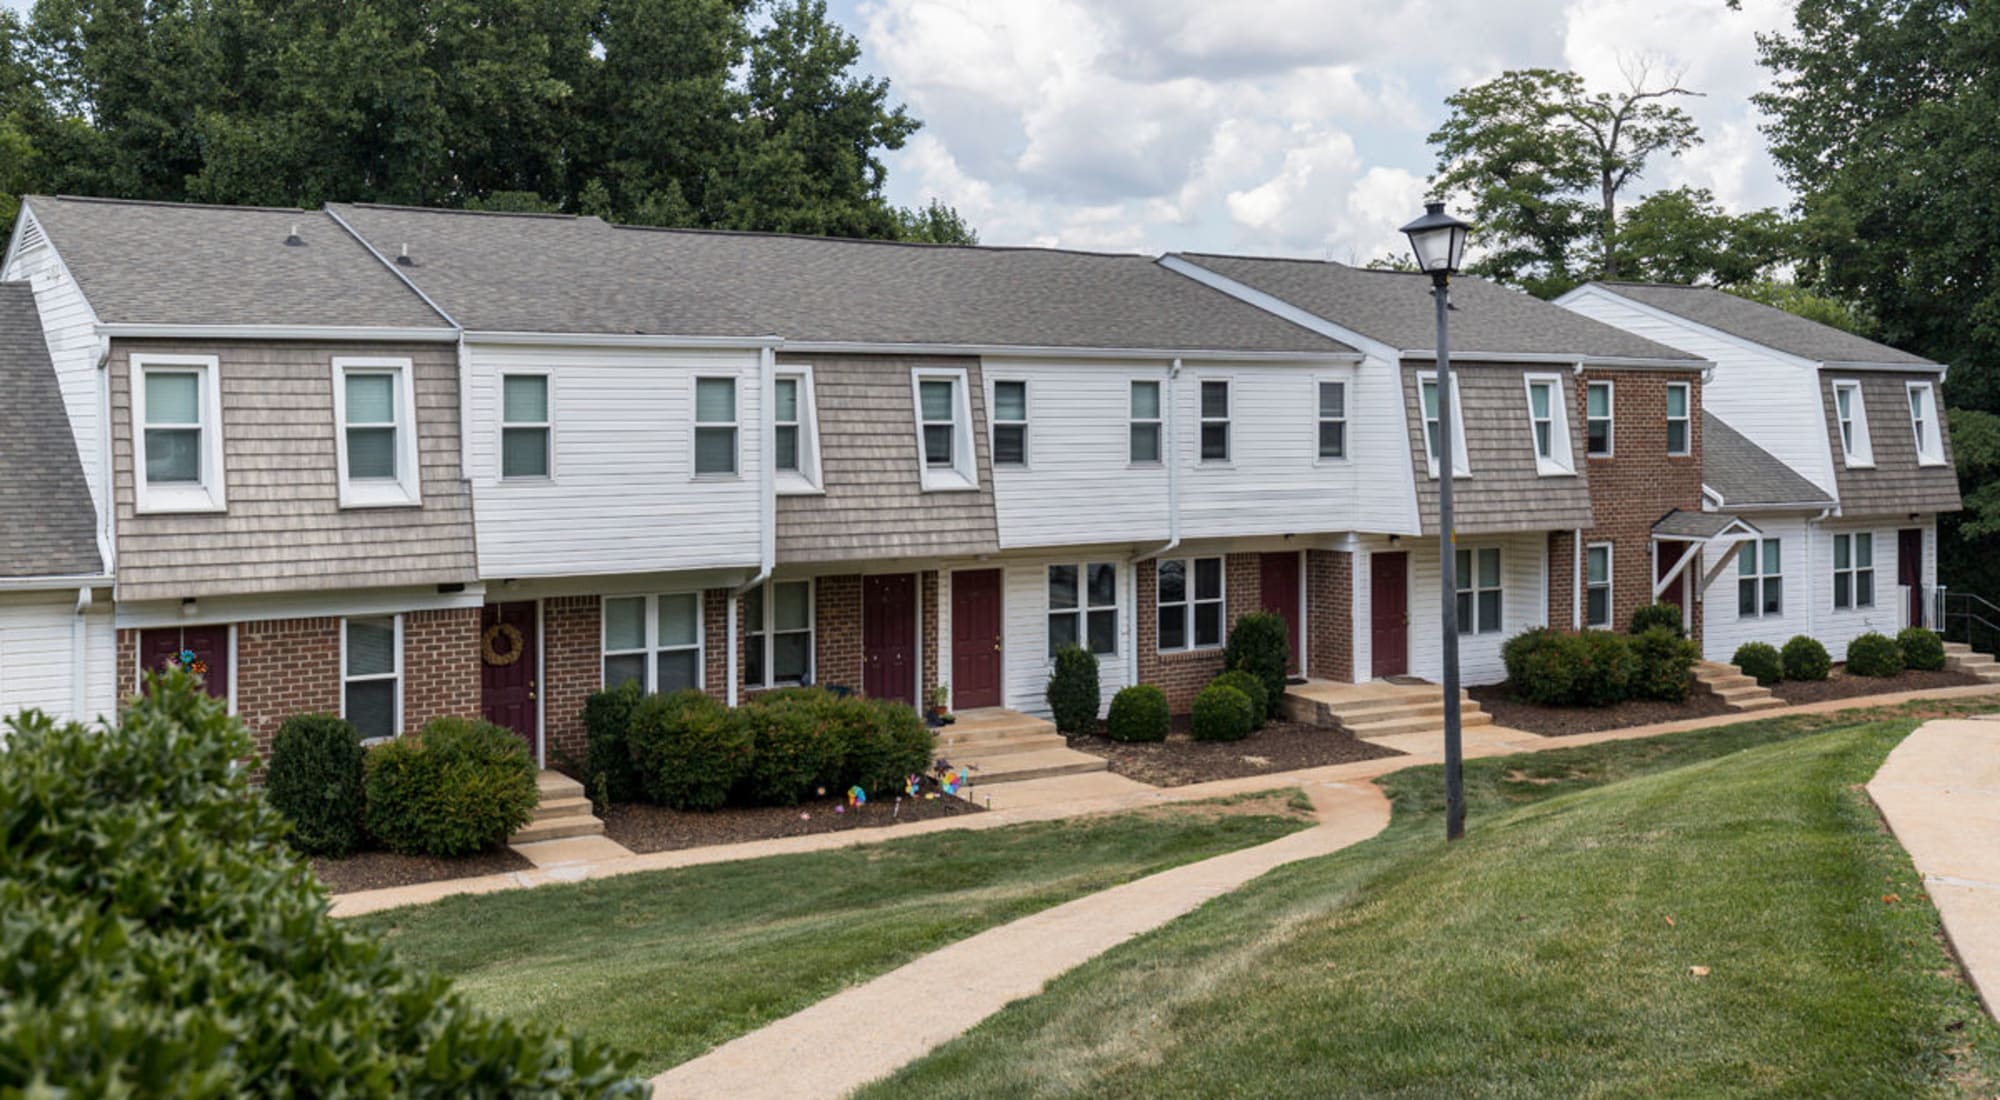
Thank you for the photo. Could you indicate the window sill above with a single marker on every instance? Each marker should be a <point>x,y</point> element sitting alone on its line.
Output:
<point>1600,456</point>
<point>732,476</point>
<point>183,500</point>
<point>1858,463</point>
<point>948,481</point>
<point>1932,462</point>
<point>1552,469</point>
<point>1336,460</point>
<point>379,495</point>
<point>796,485</point>
<point>1191,651</point>
<point>526,479</point>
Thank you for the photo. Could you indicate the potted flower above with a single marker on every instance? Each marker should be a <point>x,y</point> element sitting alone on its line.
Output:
<point>935,714</point>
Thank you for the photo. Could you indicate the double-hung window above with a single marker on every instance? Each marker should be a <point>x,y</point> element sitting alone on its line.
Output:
<point>371,674</point>
<point>1010,423</point>
<point>1478,583</point>
<point>1597,401</point>
<point>714,427</point>
<point>1851,413</point>
<point>1083,607</point>
<point>653,641</point>
<point>1145,422</point>
<point>1215,420</point>
<point>1680,426</point>
<point>1760,582</point>
<point>794,431</point>
<point>944,429</point>
<point>374,404</point>
<point>1548,426</point>
<point>1427,396</point>
<point>1597,586</point>
<point>1854,570</point>
<point>177,420</point>
<point>527,433</point>
<point>778,624</point>
<point>1333,420</point>
<point>1191,603</point>
<point>1924,424</point>
<point>785,425</point>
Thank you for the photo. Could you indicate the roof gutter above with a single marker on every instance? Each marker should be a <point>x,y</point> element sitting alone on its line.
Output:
<point>843,347</point>
<point>1569,359</point>
<point>619,339</point>
<point>54,583</point>
<point>1900,368</point>
<point>408,335</point>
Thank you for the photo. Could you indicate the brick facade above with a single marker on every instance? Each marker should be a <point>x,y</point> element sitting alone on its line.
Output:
<point>573,662</point>
<point>286,667</point>
<point>837,631</point>
<point>1183,674</point>
<point>1330,614</point>
<point>441,665</point>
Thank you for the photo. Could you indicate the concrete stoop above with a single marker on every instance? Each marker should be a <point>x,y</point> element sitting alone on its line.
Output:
<point>1959,657</point>
<point>563,812</point>
<point>1376,710</point>
<point>1727,683</point>
<point>1005,746</point>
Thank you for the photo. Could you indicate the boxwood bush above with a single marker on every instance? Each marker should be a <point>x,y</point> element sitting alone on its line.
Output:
<point>1609,671</point>
<point>1253,689</point>
<point>690,750</point>
<point>1073,694</point>
<point>1665,664</point>
<point>1138,713</point>
<point>1874,654</point>
<point>882,743</point>
<point>1922,649</point>
<point>607,729</point>
<point>456,787</point>
<point>1806,659</point>
<point>1655,615</point>
<point>1221,713</point>
<point>1543,665</point>
<point>796,744</point>
<point>160,940</point>
<point>313,777</point>
<point>1258,645</point>
<point>1759,661</point>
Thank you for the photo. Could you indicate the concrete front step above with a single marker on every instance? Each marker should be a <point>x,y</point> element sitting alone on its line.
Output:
<point>1414,723</point>
<point>1729,684</point>
<point>551,809</point>
<point>554,784</point>
<point>563,811</point>
<point>1374,709</point>
<point>557,829</point>
<point>949,742</point>
<point>1016,766</point>
<point>1766,703</point>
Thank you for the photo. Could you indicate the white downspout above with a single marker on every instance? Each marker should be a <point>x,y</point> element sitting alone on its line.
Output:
<point>1169,418</point>
<point>767,510</point>
<point>79,645</point>
<point>1812,536</point>
<point>107,542</point>
<point>1576,581</point>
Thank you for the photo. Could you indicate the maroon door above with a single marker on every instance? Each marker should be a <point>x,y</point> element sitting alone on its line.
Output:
<point>1389,613</point>
<point>1281,594</point>
<point>1665,554</point>
<point>889,637</point>
<point>975,639</point>
<point>510,669</point>
<point>1910,569</point>
<point>211,649</point>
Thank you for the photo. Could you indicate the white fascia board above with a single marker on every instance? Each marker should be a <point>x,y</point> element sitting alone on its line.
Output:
<point>209,610</point>
<point>1925,368</point>
<point>1009,351</point>
<point>127,330</point>
<point>1276,306</point>
<point>54,582</point>
<point>1570,359</point>
<point>621,340</point>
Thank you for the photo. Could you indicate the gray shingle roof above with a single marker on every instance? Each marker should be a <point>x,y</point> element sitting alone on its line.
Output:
<point>1762,324</point>
<point>1695,525</point>
<point>1395,308</point>
<point>529,273</point>
<point>51,527</point>
<point>174,263</point>
<point>1746,474</point>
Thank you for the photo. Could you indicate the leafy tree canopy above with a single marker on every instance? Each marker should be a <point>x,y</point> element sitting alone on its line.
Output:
<point>1682,236</point>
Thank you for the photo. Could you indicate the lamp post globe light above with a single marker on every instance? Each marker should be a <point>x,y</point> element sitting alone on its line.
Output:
<point>1438,241</point>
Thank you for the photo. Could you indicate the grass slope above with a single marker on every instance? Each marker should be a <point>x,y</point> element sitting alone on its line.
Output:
<point>668,964</point>
<point>1548,954</point>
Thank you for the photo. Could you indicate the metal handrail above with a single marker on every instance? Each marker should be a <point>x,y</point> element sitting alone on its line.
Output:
<point>1960,618</point>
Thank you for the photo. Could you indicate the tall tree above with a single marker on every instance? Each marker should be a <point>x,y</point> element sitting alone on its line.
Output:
<point>19,105</point>
<point>1682,236</point>
<point>935,223</point>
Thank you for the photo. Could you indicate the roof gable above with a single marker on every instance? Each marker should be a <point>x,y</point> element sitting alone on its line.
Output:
<point>1746,475</point>
<point>1764,325</point>
<point>51,528</point>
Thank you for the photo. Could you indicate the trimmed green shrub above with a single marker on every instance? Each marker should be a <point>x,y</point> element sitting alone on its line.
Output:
<point>1073,694</point>
<point>1543,665</point>
<point>1874,654</point>
<point>890,745</point>
<point>313,777</point>
<point>1657,615</point>
<point>1806,659</point>
<point>1760,662</point>
<point>1253,689</point>
<point>1665,663</point>
<point>1258,646</point>
<point>691,752</point>
<point>797,743</point>
<point>1138,713</point>
<point>1923,649</point>
<point>456,787</point>
<point>1221,713</point>
<point>161,941</point>
<point>1609,669</point>
<point>607,733</point>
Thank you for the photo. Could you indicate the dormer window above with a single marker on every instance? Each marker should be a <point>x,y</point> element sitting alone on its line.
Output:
<point>1852,414</point>
<point>1428,398</point>
<point>1548,426</point>
<point>1924,424</point>
<point>944,429</point>
<point>795,428</point>
<point>374,405</point>
<point>177,430</point>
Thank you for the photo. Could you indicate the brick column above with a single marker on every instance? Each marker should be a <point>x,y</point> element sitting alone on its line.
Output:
<point>128,665</point>
<point>442,669</point>
<point>715,642</point>
<point>1330,614</point>
<point>572,669</point>
<point>837,631</point>
<point>286,667</point>
<point>927,590</point>
<point>1562,579</point>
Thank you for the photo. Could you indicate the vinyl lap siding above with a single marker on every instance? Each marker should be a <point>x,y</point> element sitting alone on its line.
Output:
<point>1025,631</point>
<point>1806,581</point>
<point>1523,605</point>
<point>1502,489</point>
<point>1079,485</point>
<point>37,658</point>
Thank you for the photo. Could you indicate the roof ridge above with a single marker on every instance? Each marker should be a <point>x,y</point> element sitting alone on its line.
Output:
<point>549,215</point>
<point>882,241</point>
<point>169,204</point>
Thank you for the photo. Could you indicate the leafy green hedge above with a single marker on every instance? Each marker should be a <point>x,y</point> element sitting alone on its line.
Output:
<point>456,787</point>
<point>1922,649</point>
<point>1655,615</point>
<point>313,777</point>
<point>1806,659</point>
<point>607,727</point>
<point>1139,713</point>
<point>690,752</point>
<point>1598,668</point>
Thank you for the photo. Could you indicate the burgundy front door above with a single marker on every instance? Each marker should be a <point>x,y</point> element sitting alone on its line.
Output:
<point>889,637</point>
<point>510,669</point>
<point>975,639</point>
<point>1665,554</point>
<point>211,649</point>
<point>1281,594</point>
<point>1389,613</point>
<point>1910,569</point>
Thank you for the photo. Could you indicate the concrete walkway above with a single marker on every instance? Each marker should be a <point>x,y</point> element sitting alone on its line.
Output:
<point>1940,792</point>
<point>813,1053</point>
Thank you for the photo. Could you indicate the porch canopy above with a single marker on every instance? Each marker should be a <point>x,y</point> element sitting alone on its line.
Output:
<point>1698,530</point>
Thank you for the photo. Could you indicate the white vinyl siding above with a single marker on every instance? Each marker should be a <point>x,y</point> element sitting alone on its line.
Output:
<point>1025,611</point>
<point>1523,604</point>
<point>69,327</point>
<point>653,641</point>
<point>38,658</point>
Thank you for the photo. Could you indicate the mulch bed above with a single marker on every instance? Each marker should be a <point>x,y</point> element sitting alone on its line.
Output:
<point>645,828</point>
<point>1839,685</point>
<point>1180,760</point>
<point>1498,700</point>
<point>375,870</point>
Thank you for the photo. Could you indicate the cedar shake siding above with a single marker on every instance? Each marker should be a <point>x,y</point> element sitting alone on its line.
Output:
<point>1895,483</point>
<point>874,505</point>
<point>1502,490</point>
<point>284,529</point>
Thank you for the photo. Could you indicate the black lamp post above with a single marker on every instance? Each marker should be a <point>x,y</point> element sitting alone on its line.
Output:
<point>1438,241</point>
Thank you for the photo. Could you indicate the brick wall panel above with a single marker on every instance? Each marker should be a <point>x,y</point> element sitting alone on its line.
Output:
<point>1182,675</point>
<point>1330,614</point>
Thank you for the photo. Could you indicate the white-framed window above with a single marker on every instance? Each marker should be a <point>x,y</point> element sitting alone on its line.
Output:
<point>374,408</point>
<point>1083,607</point>
<point>944,429</point>
<point>1427,396</point>
<point>1010,422</point>
<point>1191,603</point>
<point>1760,582</point>
<point>715,438</point>
<point>1215,399</point>
<point>1680,419</point>
<point>778,634</point>
<point>1479,590</point>
<point>1597,586</point>
<point>527,428</point>
<point>371,674</point>
<point>1145,422</point>
<point>1598,400</point>
<point>1548,426</point>
<point>1851,413</point>
<point>1854,570</point>
<point>1924,424</point>
<point>795,430</point>
<point>653,641</point>
<point>177,433</point>
<point>1332,420</point>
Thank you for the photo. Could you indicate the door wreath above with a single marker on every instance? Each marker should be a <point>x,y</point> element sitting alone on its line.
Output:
<point>493,655</point>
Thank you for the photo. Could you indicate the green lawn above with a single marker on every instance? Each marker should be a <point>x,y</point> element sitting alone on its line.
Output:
<point>1548,954</point>
<point>668,964</point>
